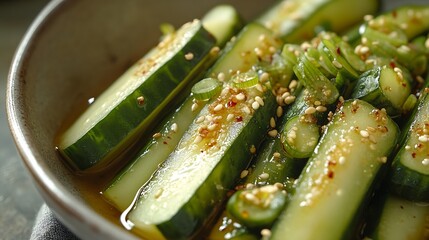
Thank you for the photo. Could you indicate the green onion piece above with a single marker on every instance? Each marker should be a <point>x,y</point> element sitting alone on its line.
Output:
<point>246,79</point>
<point>206,88</point>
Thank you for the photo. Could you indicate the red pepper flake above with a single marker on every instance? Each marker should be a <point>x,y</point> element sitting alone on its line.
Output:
<point>165,142</point>
<point>239,119</point>
<point>394,13</point>
<point>231,104</point>
<point>392,64</point>
<point>414,154</point>
<point>338,51</point>
<point>330,174</point>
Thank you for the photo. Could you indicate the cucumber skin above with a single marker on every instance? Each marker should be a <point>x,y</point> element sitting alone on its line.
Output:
<point>226,174</point>
<point>99,147</point>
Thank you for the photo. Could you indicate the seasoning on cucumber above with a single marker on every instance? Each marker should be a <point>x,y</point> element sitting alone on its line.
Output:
<point>125,110</point>
<point>339,175</point>
<point>210,156</point>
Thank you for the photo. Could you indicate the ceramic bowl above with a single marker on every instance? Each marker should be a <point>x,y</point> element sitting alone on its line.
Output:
<point>71,52</point>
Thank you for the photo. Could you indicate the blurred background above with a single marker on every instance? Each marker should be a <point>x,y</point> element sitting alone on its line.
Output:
<point>19,201</point>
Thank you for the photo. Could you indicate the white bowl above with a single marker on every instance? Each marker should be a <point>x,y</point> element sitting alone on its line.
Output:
<point>72,51</point>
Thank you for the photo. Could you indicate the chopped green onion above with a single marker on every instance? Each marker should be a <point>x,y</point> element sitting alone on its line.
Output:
<point>246,79</point>
<point>206,88</point>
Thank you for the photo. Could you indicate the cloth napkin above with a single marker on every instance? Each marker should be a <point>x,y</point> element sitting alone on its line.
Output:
<point>47,227</point>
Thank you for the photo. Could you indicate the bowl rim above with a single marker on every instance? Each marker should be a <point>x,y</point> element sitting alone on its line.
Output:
<point>56,196</point>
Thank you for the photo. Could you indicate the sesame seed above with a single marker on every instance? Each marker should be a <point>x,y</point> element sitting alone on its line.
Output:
<point>383,159</point>
<point>174,127</point>
<point>368,17</point>
<point>215,50</point>
<point>272,133</point>
<point>140,100</point>
<point>342,160</point>
<point>156,135</point>
<point>364,133</point>
<point>189,56</point>
<point>194,107</point>
<point>425,161</point>
<point>224,91</point>
<point>240,97</point>
<point>276,155</point>
<point>289,99</point>
<point>255,105</point>
<point>158,193</point>
<point>278,185</point>
<point>407,147</point>
<point>285,95</point>
<point>211,127</point>
<point>259,100</point>
<point>272,122</point>
<point>253,149</point>
<point>200,119</point>
<point>427,43</point>
<point>364,50</point>
<point>229,117</point>
<point>264,77</point>
<point>218,107</point>
<point>424,138</point>
<point>259,87</point>
<point>264,176</point>
<point>198,139</point>
<point>310,110</point>
<point>321,109</point>
<point>293,84</point>
<point>279,111</point>
<point>246,109</point>
<point>244,173</point>
<point>221,76</point>
<point>337,64</point>
<point>208,118</point>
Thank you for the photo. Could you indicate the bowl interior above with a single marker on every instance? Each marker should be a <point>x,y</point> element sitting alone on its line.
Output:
<point>73,50</point>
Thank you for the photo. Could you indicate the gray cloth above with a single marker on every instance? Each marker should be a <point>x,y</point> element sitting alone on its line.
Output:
<point>47,227</point>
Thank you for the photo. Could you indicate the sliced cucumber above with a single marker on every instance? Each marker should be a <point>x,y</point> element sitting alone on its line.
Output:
<point>223,21</point>
<point>122,190</point>
<point>297,20</point>
<point>300,137</point>
<point>208,162</point>
<point>383,87</point>
<point>413,20</point>
<point>340,174</point>
<point>126,109</point>
<point>401,219</point>
<point>188,187</point>
<point>410,168</point>
<point>242,53</point>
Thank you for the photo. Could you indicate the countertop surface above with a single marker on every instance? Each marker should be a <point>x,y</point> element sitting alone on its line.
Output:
<point>19,199</point>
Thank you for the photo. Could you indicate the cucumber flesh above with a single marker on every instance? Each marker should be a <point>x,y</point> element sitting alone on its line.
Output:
<point>297,20</point>
<point>410,168</point>
<point>384,88</point>
<point>121,192</point>
<point>126,109</point>
<point>402,219</point>
<point>223,21</point>
<point>340,174</point>
<point>241,54</point>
